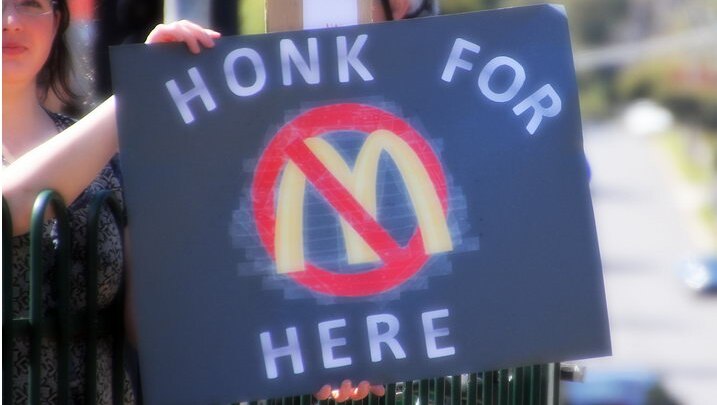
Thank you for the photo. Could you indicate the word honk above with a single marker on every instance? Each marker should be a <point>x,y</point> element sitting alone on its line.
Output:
<point>382,331</point>
<point>292,60</point>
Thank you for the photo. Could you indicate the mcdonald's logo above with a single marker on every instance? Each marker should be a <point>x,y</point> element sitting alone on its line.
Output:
<point>299,154</point>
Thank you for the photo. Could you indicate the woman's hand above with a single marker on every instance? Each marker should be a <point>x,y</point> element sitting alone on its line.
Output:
<point>183,31</point>
<point>347,391</point>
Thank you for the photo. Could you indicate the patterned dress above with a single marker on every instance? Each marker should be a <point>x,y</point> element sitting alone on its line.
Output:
<point>110,276</point>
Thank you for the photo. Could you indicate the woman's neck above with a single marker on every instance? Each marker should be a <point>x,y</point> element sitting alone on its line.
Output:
<point>25,124</point>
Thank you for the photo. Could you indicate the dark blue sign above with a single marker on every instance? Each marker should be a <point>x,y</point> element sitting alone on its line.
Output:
<point>384,202</point>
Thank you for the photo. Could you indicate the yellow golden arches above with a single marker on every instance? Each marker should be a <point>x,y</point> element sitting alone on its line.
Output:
<point>426,204</point>
<point>289,233</point>
<point>357,250</point>
<point>361,183</point>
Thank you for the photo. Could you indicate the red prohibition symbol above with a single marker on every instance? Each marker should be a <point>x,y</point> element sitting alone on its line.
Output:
<point>398,263</point>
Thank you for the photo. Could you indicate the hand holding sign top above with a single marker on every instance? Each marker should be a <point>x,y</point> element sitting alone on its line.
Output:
<point>183,31</point>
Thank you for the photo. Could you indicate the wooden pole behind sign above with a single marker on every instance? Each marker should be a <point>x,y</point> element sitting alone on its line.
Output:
<point>288,15</point>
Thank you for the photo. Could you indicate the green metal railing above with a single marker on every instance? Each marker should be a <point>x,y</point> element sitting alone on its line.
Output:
<point>532,385</point>
<point>60,324</point>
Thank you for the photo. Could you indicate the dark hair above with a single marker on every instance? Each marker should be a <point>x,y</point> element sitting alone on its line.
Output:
<point>56,74</point>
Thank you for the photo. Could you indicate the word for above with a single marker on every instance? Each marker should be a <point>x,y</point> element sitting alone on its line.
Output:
<point>544,102</point>
<point>309,70</point>
<point>382,331</point>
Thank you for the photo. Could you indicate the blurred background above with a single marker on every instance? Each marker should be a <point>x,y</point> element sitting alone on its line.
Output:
<point>647,71</point>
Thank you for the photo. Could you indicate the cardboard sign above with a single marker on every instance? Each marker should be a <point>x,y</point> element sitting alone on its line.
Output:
<point>383,202</point>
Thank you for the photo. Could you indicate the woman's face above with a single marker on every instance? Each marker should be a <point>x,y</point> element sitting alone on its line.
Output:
<point>28,32</point>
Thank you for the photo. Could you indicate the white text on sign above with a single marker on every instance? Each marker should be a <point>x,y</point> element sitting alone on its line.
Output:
<point>304,60</point>
<point>307,66</point>
<point>544,102</point>
<point>382,331</point>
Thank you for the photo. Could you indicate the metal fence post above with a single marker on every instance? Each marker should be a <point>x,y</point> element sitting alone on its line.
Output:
<point>103,199</point>
<point>37,322</point>
<point>8,332</point>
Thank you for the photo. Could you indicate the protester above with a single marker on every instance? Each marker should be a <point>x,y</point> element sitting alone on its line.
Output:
<point>43,149</point>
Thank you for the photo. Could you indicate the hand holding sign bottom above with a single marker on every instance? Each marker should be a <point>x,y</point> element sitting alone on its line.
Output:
<point>346,391</point>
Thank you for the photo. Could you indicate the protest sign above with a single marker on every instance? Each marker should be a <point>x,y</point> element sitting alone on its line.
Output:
<point>384,202</point>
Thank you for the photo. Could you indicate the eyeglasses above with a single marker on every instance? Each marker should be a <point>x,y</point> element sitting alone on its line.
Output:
<point>31,8</point>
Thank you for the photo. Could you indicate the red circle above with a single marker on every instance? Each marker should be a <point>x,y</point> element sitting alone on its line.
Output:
<point>399,266</point>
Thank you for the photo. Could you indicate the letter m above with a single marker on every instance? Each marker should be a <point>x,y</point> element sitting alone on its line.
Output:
<point>361,183</point>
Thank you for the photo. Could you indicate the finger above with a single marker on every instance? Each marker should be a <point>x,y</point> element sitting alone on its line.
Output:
<point>378,390</point>
<point>188,37</point>
<point>212,33</point>
<point>204,38</point>
<point>165,33</point>
<point>344,391</point>
<point>189,24</point>
<point>192,45</point>
<point>183,31</point>
<point>151,35</point>
<point>160,33</point>
<point>323,393</point>
<point>361,391</point>
<point>199,33</point>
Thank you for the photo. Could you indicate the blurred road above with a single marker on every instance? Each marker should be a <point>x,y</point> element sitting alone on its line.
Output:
<point>656,323</point>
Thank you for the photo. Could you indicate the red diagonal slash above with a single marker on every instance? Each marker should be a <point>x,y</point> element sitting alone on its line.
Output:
<point>343,201</point>
<point>398,263</point>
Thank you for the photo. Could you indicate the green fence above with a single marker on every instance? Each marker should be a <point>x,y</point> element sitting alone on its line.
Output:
<point>533,385</point>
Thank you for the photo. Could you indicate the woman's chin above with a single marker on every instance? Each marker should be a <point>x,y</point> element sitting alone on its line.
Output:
<point>15,73</point>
